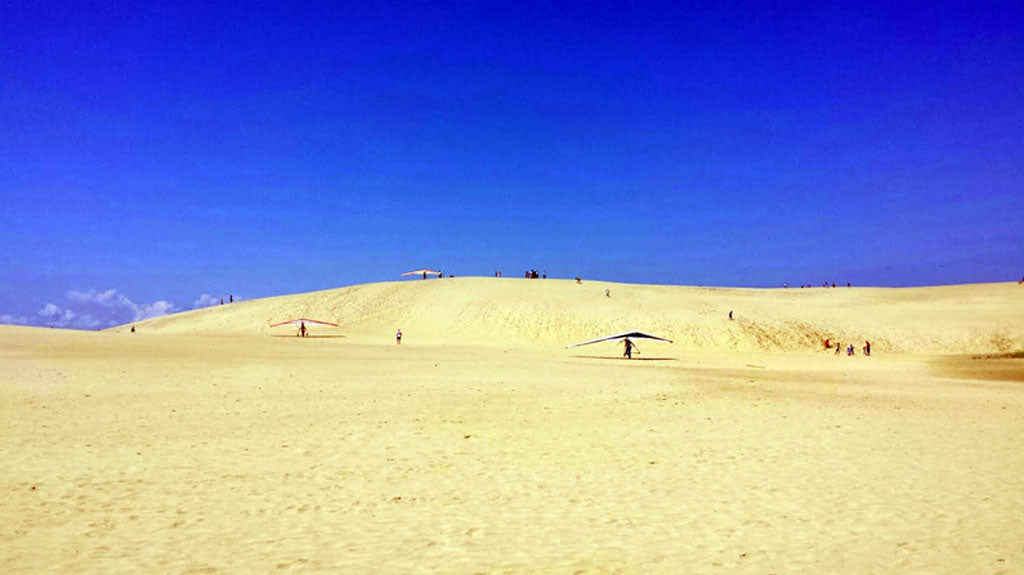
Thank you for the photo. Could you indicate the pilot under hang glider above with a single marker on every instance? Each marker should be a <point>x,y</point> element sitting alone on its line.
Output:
<point>302,321</point>
<point>424,273</point>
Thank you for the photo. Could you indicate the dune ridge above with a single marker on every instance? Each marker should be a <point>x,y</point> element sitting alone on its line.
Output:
<point>974,318</point>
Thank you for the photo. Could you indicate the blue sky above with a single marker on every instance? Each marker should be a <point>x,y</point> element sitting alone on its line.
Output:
<point>153,155</point>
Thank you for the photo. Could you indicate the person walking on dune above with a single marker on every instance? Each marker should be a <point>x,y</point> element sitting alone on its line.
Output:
<point>398,337</point>
<point>629,348</point>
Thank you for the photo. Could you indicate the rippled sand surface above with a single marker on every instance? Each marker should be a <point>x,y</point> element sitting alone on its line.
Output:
<point>204,444</point>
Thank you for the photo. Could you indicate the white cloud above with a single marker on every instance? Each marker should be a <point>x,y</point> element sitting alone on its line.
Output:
<point>9,319</point>
<point>206,300</point>
<point>155,309</point>
<point>109,298</point>
<point>56,316</point>
<point>87,321</point>
<point>94,309</point>
<point>115,301</point>
<point>54,313</point>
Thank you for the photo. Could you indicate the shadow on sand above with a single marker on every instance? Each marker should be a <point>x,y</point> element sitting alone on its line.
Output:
<point>992,367</point>
<point>627,359</point>
<point>310,336</point>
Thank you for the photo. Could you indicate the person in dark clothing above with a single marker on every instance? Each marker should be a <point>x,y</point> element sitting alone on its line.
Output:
<point>629,348</point>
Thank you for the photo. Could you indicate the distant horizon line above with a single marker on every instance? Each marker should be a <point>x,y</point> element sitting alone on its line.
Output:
<point>585,280</point>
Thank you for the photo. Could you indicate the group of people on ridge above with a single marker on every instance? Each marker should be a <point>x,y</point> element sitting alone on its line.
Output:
<point>849,349</point>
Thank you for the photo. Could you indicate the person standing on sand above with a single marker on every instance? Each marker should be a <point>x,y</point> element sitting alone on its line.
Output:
<point>839,346</point>
<point>867,348</point>
<point>302,329</point>
<point>629,348</point>
<point>398,336</point>
<point>730,315</point>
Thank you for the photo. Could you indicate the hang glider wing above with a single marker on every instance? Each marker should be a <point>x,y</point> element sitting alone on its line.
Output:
<point>624,335</point>
<point>421,272</point>
<point>303,319</point>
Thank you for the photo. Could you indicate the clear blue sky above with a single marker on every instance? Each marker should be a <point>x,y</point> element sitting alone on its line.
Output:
<point>170,151</point>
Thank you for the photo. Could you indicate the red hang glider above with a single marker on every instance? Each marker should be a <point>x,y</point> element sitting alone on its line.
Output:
<point>300,320</point>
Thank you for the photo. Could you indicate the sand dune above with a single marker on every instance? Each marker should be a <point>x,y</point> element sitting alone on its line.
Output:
<point>547,313</point>
<point>202,444</point>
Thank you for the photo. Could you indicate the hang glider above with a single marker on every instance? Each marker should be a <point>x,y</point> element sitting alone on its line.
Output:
<point>618,336</point>
<point>423,273</point>
<point>299,320</point>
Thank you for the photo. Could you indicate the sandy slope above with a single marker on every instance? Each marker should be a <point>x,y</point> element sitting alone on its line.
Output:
<point>546,313</point>
<point>201,444</point>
